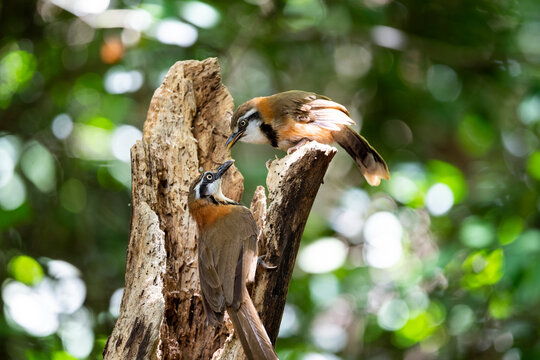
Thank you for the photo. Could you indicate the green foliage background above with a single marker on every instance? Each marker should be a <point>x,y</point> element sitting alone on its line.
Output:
<point>447,91</point>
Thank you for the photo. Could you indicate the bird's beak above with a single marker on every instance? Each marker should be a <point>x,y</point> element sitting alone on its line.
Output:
<point>233,139</point>
<point>224,167</point>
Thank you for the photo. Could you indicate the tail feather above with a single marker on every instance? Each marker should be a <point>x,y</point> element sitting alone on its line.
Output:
<point>250,330</point>
<point>366,157</point>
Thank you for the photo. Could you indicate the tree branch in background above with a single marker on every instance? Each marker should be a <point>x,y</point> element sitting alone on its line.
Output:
<point>161,315</point>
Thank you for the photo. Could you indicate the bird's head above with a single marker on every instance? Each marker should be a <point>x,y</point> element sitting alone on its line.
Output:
<point>207,186</point>
<point>246,124</point>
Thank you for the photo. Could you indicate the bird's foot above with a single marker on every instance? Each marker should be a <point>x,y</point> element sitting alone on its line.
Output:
<point>269,162</point>
<point>297,146</point>
<point>264,264</point>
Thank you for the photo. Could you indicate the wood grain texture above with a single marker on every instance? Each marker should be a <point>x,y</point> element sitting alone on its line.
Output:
<point>161,315</point>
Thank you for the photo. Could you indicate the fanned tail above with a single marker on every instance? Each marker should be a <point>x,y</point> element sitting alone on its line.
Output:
<point>250,330</point>
<point>371,164</point>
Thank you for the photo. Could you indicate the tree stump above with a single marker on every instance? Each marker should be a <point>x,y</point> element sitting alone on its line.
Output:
<point>161,315</point>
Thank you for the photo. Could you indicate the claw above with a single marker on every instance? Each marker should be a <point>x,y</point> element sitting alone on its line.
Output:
<point>297,146</point>
<point>264,264</point>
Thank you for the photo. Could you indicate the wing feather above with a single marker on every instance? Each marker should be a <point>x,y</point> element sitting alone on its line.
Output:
<point>317,109</point>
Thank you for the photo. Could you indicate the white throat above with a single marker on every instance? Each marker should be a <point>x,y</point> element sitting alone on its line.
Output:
<point>253,133</point>
<point>218,194</point>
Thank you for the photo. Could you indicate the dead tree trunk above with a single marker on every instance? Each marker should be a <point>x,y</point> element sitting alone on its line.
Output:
<point>161,315</point>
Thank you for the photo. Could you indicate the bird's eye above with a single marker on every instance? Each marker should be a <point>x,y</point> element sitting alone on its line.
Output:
<point>209,177</point>
<point>242,123</point>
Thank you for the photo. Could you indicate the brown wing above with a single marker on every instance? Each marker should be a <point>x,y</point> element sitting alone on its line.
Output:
<point>313,108</point>
<point>226,249</point>
<point>213,299</point>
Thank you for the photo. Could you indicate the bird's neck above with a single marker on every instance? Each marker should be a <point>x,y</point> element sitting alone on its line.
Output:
<point>208,210</point>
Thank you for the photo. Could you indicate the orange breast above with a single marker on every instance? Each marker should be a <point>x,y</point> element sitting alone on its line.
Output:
<point>206,214</point>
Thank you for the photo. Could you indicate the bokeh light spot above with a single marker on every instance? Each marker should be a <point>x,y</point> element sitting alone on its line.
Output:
<point>124,137</point>
<point>388,37</point>
<point>393,314</point>
<point>62,126</point>
<point>439,199</point>
<point>520,142</point>
<point>476,233</point>
<point>450,175</point>
<point>119,81</point>
<point>37,164</point>
<point>175,32</point>
<point>443,83</point>
<point>323,288</point>
<point>82,7</point>
<point>28,310</point>
<point>320,356</point>
<point>383,233</point>
<point>528,40</point>
<point>121,172</point>
<point>461,319</point>
<point>352,61</point>
<point>290,323</point>
<point>90,142</point>
<point>329,336</point>
<point>323,255</point>
<point>9,154</point>
<point>529,110</point>
<point>200,14</point>
<point>13,194</point>
<point>112,50</point>
<point>303,14</point>
<point>76,333</point>
<point>348,218</point>
<point>115,302</point>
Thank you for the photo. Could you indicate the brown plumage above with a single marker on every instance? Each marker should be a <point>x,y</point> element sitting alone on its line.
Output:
<point>285,120</point>
<point>227,250</point>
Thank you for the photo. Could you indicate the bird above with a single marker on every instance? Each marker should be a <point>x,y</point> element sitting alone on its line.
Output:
<point>289,119</point>
<point>227,257</point>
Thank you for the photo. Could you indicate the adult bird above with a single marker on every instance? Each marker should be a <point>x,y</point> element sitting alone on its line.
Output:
<point>227,260</point>
<point>287,120</point>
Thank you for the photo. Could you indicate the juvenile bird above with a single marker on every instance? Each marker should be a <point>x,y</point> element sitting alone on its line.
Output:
<point>289,119</point>
<point>227,260</point>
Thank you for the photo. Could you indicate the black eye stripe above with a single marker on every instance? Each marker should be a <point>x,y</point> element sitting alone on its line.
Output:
<point>255,115</point>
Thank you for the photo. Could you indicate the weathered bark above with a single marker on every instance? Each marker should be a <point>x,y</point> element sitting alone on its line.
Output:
<point>161,315</point>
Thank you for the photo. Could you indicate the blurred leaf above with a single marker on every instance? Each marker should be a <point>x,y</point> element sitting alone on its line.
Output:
<point>533,165</point>
<point>500,305</point>
<point>25,269</point>
<point>16,69</point>
<point>483,268</point>
<point>62,355</point>
<point>73,196</point>
<point>509,229</point>
<point>476,135</point>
